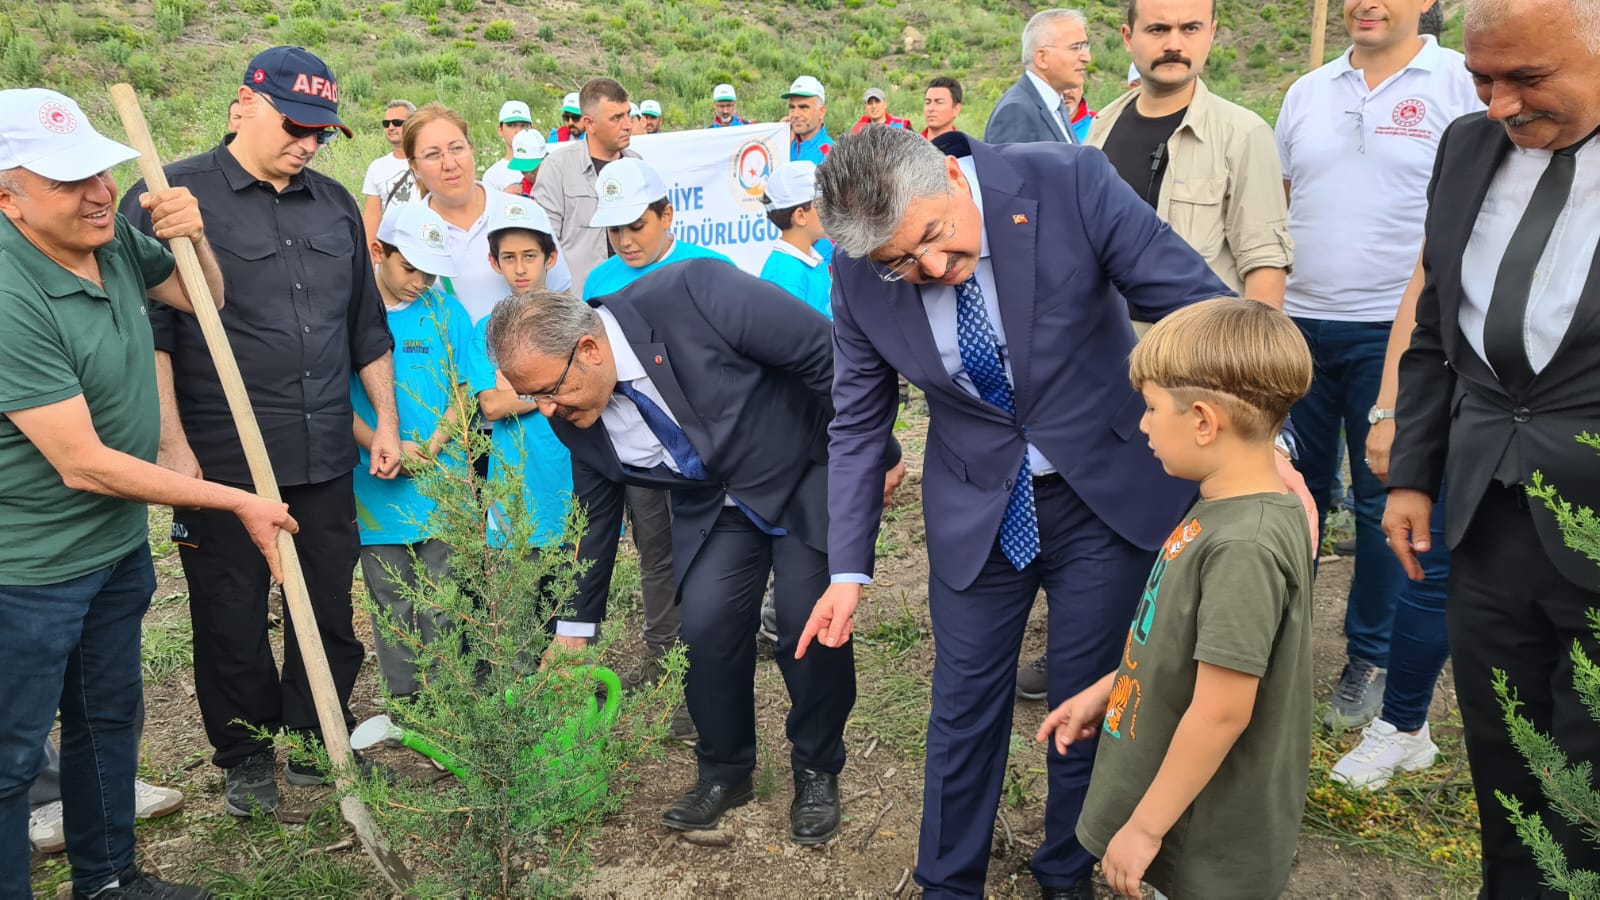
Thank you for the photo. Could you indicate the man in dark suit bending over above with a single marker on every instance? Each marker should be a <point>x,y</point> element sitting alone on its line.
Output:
<point>1500,375</point>
<point>714,385</point>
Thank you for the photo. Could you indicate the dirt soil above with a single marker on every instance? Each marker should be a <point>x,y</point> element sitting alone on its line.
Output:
<point>751,855</point>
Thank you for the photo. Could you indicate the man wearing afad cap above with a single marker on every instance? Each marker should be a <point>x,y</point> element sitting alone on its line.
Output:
<point>725,106</point>
<point>514,120</point>
<point>651,110</point>
<point>572,126</point>
<point>876,107</point>
<point>527,152</point>
<point>306,316</point>
<point>79,431</point>
<point>808,105</point>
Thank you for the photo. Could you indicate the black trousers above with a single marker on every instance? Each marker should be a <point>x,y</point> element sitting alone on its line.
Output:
<point>1509,609</point>
<point>235,677</point>
<point>721,607</point>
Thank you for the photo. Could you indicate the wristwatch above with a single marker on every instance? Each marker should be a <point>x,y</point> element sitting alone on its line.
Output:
<point>1378,414</point>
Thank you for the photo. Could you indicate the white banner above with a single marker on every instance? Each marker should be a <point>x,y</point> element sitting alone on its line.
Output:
<point>715,178</point>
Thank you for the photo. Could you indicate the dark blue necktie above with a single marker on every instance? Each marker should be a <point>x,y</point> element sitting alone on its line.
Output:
<point>676,442</point>
<point>980,356</point>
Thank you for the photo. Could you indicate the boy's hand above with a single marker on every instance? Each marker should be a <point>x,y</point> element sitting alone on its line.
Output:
<point>1127,857</point>
<point>1079,718</point>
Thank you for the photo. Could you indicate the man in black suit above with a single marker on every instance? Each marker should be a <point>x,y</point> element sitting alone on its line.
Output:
<point>1499,377</point>
<point>714,385</point>
<point>1055,56</point>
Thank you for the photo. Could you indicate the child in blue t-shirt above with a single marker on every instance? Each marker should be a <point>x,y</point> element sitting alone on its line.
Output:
<point>637,216</point>
<point>794,263</point>
<point>431,331</point>
<point>522,249</point>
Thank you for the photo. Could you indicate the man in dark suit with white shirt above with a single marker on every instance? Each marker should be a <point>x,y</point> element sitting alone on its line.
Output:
<point>713,385</point>
<point>1055,57</point>
<point>1500,375</point>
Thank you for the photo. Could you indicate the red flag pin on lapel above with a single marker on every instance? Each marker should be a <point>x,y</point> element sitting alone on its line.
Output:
<point>658,360</point>
<point>1019,219</point>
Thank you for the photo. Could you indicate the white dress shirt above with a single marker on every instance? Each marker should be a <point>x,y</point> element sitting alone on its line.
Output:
<point>1052,101</point>
<point>1564,267</point>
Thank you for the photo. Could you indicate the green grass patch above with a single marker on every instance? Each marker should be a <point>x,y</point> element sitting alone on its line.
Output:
<point>168,647</point>
<point>288,860</point>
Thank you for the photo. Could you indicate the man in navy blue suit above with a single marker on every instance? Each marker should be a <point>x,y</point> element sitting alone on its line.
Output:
<point>1055,56</point>
<point>999,279</point>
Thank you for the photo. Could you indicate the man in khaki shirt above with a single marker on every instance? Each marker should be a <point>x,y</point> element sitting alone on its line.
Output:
<point>1209,167</point>
<point>567,176</point>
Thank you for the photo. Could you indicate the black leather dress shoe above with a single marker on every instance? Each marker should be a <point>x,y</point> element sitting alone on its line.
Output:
<point>703,806</point>
<point>814,814</point>
<point>1083,890</point>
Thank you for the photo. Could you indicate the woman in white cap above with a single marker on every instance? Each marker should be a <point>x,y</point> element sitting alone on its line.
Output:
<point>435,141</point>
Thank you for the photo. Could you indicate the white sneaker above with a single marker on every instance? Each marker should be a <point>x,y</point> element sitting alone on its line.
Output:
<point>151,802</point>
<point>1383,750</point>
<point>45,828</point>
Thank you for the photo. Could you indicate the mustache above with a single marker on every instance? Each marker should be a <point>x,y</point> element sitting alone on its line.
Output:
<point>1173,58</point>
<point>1525,119</point>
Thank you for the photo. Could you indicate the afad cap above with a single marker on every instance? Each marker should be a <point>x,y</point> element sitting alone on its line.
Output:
<point>418,233</point>
<point>300,84</point>
<point>47,133</point>
<point>626,188</point>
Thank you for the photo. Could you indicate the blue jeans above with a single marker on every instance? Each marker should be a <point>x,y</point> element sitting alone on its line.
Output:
<point>1419,647</point>
<point>1347,360</point>
<point>73,645</point>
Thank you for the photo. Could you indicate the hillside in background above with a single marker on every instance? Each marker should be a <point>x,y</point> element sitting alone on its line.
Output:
<point>185,56</point>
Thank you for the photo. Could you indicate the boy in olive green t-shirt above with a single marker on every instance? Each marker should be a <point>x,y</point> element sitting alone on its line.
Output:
<point>1200,777</point>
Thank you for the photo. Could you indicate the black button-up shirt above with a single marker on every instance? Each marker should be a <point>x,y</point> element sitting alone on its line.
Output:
<point>302,313</point>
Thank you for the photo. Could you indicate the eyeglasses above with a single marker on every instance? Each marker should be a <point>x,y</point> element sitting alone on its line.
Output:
<point>297,131</point>
<point>899,269</point>
<point>550,396</point>
<point>393,123</point>
<point>1079,47</point>
<point>1361,129</point>
<point>435,157</point>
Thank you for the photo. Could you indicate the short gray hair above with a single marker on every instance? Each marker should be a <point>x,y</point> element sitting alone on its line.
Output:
<point>868,181</point>
<point>1033,34</point>
<point>407,105</point>
<point>549,323</point>
<point>9,182</point>
<point>1482,14</point>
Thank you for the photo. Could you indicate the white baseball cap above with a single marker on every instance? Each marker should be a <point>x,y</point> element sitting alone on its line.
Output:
<point>650,108</point>
<point>806,86</point>
<point>569,104</point>
<point>47,133</point>
<point>515,111</point>
<point>514,211</point>
<point>626,189</point>
<point>418,233</point>
<point>633,110</point>
<point>793,184</point>
<point>1133,74</point>
<point>527,151</point>
<point>723,92</point>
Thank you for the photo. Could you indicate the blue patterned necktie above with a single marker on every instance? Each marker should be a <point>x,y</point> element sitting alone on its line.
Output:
<point>980,356</point>
<point>676,442</point>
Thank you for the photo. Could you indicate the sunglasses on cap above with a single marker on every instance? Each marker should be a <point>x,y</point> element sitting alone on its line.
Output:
<point>393,123</point>
<point>299,132</point>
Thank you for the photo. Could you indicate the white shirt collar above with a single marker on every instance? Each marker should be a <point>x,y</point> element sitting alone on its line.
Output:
<point>1052,100</point>
<point>627,362</point>
<point>810,257</point>
<point>971,172</point>
<point>1427,59</point>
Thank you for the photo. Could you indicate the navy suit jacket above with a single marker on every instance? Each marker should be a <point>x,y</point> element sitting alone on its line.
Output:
<point>1069,240</point>
<point>1021,117</point>
<point>745,369</point>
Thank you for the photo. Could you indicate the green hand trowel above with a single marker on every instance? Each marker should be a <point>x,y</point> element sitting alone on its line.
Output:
<point>381,729</point>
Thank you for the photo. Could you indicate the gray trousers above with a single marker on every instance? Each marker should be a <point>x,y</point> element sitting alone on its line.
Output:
<point>650,521</point>
<point>47,787</point>
<point>397,664</point>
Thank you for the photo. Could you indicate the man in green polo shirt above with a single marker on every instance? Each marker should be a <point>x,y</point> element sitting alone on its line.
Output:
<point>79,429</point>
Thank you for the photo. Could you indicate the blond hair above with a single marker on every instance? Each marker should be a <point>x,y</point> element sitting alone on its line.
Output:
<point>422,118</point>
<point>1242,356</point>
